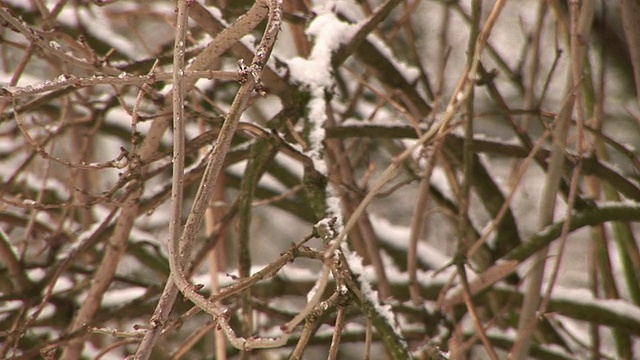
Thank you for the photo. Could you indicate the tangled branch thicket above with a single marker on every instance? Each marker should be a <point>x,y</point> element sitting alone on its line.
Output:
<point>327,179</point>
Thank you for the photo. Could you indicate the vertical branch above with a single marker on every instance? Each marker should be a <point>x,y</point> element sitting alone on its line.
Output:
<point>596,250</point>
<point>418,222</point>
<point>598,259</point>
<point>602,275</point>
<point>468,155</point>
<point>578,14</point>
<point>12,263</point>
<point>82,143</point>
<point>34,212</point>
<point>177,184</point>
<point>532,300</point>
<point>169,293</point>
<point>216,161</point>
<point>534,66</point>
<point>444,50</point>
<point>477,324</point>
<point>222,42</point>
<point>337,331</point>
<point>630,13</point>
<point>363,234</point>
<point>464,192</point>
<point>214,215</point>
<point>563,238</point>
<point>467,173</point>
<point>581,16</point>
<point>261,154</point>
<point>308,330</point>
<point>368,339</point>
<point>114,250</point>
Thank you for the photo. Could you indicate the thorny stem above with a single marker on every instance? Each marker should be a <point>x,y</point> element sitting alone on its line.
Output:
<point>166,300</point>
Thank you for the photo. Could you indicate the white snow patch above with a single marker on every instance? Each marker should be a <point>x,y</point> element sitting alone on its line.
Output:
<point>122,296</point>
<point>398,238</point>
<point>99,26</point>
<point>622,308</point>
<point>315,73</point>
<point>330,33</point>
<point>409,73</point>
<point>50,184</point>
<point>355,264</point>
<point>334,209</point>
<point>82,238</point>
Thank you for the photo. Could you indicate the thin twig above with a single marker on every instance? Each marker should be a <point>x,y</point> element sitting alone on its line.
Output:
<point>75,82</point>
<point>418,222</point>
<point>337,331</point>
